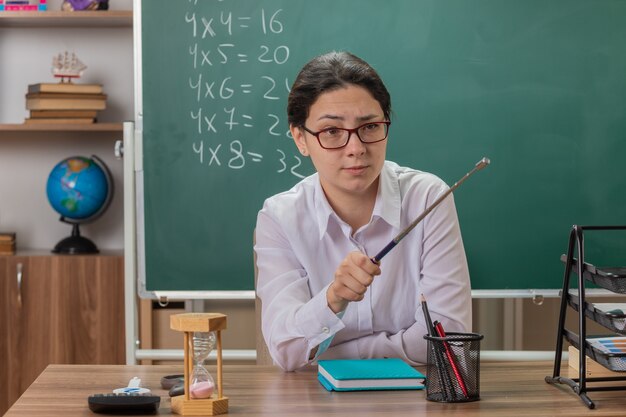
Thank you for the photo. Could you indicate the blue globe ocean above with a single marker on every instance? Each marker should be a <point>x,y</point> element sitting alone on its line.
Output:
<point>77,188</point>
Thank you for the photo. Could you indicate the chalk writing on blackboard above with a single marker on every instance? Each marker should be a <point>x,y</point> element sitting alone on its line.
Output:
<point>217,121</point>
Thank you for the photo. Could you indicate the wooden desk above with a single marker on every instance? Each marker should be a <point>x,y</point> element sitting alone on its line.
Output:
<point>507,389</point>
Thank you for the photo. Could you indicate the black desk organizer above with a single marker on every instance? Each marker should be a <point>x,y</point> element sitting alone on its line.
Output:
<point>612,279</point>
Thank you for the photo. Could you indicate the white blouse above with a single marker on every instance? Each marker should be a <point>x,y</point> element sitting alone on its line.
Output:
<point>300,241</point>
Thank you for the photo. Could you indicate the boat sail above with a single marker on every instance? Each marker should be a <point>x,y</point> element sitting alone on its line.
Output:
<point>68,66</point>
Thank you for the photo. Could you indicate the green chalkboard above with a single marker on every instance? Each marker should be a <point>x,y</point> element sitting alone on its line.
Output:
<point>539,86</point>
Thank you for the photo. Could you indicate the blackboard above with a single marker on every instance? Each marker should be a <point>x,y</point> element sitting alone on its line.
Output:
<point>539,86</point>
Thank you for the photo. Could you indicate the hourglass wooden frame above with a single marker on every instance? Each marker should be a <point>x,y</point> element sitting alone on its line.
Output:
<point>199,322</point>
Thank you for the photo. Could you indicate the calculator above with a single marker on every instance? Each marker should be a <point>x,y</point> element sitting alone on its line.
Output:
<point>124,403</point>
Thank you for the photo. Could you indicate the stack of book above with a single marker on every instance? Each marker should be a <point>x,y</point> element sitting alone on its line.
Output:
<point>368,374</point>
<point>64,103</point>
<point>7,243</point>
<point>23,5</point>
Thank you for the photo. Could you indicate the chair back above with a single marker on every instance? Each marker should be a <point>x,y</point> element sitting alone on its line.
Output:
<point>262,352</point>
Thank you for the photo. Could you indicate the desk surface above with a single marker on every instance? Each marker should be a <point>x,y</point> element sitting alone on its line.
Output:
<point>507,389</point>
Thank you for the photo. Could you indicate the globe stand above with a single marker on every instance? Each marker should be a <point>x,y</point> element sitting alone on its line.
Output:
<point>75,244</point>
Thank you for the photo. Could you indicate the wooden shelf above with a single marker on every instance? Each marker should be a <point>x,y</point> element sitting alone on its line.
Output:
<point>102,18</point>
<point>95,127</point>
<point>47,252</point>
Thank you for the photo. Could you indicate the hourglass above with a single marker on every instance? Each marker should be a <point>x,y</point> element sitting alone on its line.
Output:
<point>202,384</point>
<point>202,332</point>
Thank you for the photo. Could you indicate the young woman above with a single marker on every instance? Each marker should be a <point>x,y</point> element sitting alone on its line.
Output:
<point>322,296</point>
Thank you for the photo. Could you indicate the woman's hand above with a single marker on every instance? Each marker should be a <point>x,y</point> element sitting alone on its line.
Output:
<point>355,273</point>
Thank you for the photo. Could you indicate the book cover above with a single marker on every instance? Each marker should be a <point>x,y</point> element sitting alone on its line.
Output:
<point>67,96</point>
<point>615,345</point>
<point>7,236</point>
<point>7,247</point>
<point>59,120</point>
<point>23,5</point>
<point>594,369</point>
<point>67,88</point>
<point>368,374</point>
<point>65,104</point>
<point>63,114</point>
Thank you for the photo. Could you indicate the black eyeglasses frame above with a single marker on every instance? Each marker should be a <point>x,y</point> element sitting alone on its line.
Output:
<point>350,132</point>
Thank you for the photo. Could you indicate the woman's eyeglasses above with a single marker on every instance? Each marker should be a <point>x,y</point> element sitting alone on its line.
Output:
<point>338,137</point>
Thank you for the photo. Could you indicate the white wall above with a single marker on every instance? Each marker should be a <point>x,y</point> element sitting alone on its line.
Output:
<point>26,160</point>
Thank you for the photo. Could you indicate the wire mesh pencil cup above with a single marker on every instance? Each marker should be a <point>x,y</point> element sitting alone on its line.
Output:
<point>453,367</point>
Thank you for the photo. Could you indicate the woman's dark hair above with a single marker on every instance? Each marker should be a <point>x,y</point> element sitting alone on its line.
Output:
<point>330,72</point>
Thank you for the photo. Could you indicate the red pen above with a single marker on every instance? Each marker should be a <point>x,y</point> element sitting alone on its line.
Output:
<point>459,378</point>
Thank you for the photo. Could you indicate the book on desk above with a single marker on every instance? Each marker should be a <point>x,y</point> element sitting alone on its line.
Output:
<point>368,374</point>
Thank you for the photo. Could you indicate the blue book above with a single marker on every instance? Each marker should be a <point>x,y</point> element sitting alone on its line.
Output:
<point>368,374</point>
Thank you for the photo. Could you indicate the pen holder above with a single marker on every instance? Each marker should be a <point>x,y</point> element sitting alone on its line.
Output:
<point>453,367</point>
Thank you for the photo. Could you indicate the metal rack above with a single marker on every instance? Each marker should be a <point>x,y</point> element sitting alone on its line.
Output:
<point>612,279</point>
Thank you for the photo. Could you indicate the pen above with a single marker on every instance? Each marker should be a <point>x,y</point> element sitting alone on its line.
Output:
<point>439,361</point>
<point>429,323</point>
<point>455,369</point>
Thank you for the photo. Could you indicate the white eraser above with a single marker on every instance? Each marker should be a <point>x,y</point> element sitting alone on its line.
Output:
<point>132,388</point>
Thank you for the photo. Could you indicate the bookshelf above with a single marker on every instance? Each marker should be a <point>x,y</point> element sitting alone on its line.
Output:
<point>95,127</point>
<point>102,39</point>
<point>61,19</point>
<point>55,287</point>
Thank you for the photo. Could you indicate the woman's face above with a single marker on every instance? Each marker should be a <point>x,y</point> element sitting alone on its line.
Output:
<point>351,171</point>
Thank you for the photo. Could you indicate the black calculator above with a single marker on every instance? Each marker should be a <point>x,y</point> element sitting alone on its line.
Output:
<point>125,403</point>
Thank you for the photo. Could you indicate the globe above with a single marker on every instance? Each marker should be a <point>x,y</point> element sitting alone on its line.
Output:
<point>80,190</point>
